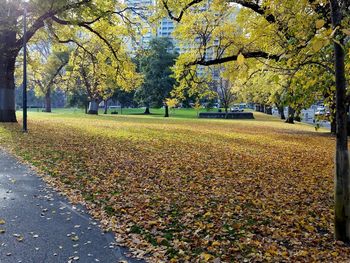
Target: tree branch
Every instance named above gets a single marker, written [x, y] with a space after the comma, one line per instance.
[39, 23]
[182, 12]
[254, 54]
[89, 28]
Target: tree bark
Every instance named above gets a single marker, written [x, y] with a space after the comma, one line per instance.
[342, 176]
[297, 116]
[257, 107]
[8, 53]
[291, 113]
[281, 112]
[147, 111]
[262, 108]
[106, 107]
[269, 110]
[166, 115]
[86, 106]
[7, 86]
[93, 107]
[48, 100]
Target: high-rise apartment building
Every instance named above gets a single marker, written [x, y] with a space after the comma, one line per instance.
[142, 10]
[165, 28]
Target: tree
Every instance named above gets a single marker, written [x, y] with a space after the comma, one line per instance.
[156, 65]
[292, 35]
[124, 98]
[299, 30]
[259, 88]
[339, 13]
[94, 68]
[94, 16]
[77, 97]
[172, 103]
[225, 92]
[46, 70]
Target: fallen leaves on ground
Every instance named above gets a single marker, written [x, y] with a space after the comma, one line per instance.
[194, 190]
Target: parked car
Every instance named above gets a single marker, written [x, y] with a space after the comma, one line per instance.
[236, 109]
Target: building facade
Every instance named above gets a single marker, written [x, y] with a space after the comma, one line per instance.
[165, 28]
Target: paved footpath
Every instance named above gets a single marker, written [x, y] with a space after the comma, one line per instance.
[37, 225]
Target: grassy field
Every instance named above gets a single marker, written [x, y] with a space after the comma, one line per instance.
[183, 189]
[176, 113]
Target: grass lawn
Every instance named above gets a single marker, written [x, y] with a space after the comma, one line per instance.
[183, 189]
[176, 113]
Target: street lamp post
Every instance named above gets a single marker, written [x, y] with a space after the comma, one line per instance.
[25, 124]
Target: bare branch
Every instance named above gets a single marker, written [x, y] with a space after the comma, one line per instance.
[182, 12]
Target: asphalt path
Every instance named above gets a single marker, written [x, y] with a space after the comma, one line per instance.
[37, 225]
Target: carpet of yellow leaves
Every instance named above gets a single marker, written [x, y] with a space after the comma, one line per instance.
[182, 190]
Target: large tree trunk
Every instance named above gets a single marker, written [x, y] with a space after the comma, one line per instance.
[8, 53]
[342, 176]
[48, 100]
[281, 112]
[291, 113]
[268, 110]
[147, 111]
[7, 85]
[93, 107]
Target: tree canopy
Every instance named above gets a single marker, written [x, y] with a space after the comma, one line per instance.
[155, 64]
[65, 22]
